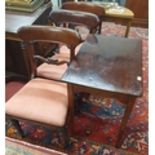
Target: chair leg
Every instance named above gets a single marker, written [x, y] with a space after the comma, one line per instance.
[79, 100]
[18, 127]
[66, 137]
[100, 28]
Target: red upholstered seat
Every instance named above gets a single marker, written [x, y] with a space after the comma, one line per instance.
[40, 100]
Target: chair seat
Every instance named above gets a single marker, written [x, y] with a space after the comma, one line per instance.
[46, 96]
[51, 71]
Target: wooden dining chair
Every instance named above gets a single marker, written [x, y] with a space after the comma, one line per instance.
[51, 67]
[70, 19]
[87, 7]
[73, 18]
[42, 101]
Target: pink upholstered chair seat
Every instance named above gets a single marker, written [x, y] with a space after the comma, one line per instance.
[51, 71]
[64, 53]
[41, 100]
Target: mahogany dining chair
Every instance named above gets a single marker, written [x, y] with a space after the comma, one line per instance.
[43, 101]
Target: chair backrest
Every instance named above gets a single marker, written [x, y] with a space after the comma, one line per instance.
[85, 7]
[47, 34]
[62, 16]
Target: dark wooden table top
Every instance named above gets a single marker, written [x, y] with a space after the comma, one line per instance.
[111, 64]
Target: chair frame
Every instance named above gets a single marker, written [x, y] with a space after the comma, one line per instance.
[48, 34]
[87, 7]
[32, 34]
[64, 17]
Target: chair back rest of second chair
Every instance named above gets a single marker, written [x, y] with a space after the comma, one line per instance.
[47, 34]
[62, 16]
[85, 7]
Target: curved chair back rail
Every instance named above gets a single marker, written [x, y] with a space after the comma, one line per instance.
[85, 7]
[62, 16]
[50, 34]
[47, 34]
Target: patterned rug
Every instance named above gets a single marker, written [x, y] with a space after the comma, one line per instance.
[97, 124]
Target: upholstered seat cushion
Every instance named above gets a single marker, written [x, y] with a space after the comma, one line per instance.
[40, 100]
[51, 71]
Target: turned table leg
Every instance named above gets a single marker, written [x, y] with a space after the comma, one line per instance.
[128, 110]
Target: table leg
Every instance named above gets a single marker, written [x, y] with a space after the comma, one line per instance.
[128, 110]
[127, 29]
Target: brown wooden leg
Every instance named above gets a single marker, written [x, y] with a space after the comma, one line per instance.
[127, 29]
[128, 110]
[66, 137]
[100, 28]
[17, 126]
[70, 119]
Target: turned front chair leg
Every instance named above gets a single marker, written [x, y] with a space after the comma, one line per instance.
[100, 28]
[127, 29]
[71, 99]
[66, 137]
[18, 127]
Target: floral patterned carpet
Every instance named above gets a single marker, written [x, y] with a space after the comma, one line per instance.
[97, 124]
